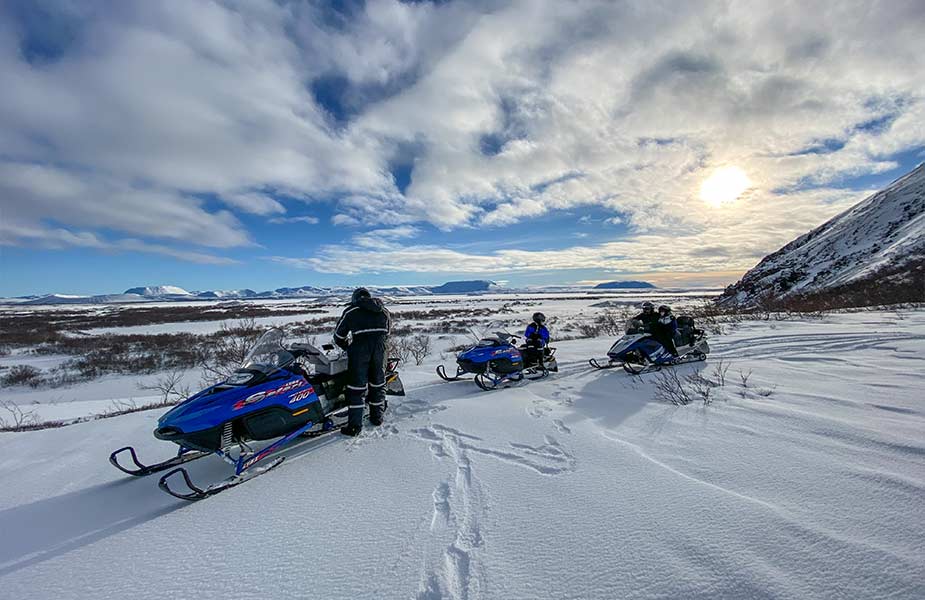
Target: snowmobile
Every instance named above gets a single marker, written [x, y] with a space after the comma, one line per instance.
[496, 360]
[270, 396]
[638, 352]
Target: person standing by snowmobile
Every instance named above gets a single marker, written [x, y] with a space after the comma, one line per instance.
[648, 317]
[369, 323]
[665, 328]
[536, 339]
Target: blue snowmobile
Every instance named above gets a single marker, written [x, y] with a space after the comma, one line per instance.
[270, 396]
[496, 360]
[639, 352]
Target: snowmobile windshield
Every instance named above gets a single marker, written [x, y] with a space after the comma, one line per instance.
[496, 338]
[268, 355]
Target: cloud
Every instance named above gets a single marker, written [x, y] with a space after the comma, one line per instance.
[121, 119]
[32, 193]
[285, 220]
[253, 203]
[24, 234]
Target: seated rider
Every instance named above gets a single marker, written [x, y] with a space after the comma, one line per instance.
[648, 317]
[665, 328]
[536, 340]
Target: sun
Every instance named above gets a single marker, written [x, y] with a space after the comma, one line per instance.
[724, 186]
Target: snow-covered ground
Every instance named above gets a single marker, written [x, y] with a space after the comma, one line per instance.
[580, 486]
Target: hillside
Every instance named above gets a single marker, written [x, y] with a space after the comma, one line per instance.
[872, 253]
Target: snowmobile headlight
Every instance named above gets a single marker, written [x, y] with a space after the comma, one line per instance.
[166, 432]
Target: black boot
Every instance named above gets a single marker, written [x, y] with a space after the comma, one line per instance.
[351, 430]
[376, 412]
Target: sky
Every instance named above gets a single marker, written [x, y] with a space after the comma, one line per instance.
[262, 144]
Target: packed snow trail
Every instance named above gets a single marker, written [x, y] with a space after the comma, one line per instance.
[807, 482]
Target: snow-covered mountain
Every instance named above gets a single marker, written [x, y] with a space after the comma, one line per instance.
[158, 291]
[226, 294]
[872, 253]
[465, 287]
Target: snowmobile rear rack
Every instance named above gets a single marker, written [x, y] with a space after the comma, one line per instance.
[185, 455]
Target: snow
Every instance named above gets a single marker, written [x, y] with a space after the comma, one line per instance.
[580, 486]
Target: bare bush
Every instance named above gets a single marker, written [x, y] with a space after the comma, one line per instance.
[23, 375]
[765, 392]
[15, 418]
[720, 369]
[701, 387]
[608, 322]
[229, 349]
[744, 377]
[670, 388]
[398, 347]
[170, 386]
[419, 347]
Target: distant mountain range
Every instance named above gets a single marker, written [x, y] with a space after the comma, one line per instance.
[871, 254]
[167, 293]
[623, 285]
[159, 293]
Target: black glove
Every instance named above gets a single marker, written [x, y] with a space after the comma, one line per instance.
[341, 343]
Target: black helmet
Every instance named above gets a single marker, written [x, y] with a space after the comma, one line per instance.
[539, 317]
[647, 306]
[664, 308]
[358, 294]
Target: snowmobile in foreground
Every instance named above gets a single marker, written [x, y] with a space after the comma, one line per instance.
[270, 396]
[638, 352]
[496, 360]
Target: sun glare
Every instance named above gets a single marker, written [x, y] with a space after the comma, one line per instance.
[724, 186]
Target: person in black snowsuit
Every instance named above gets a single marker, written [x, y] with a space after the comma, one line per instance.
[536, 338]
[368, 321]
[665, 328]
[648, 317]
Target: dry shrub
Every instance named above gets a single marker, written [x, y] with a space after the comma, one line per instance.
[228, 350]
[23, 375]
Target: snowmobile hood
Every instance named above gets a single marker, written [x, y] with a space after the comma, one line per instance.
[220, 403]
[480, 354]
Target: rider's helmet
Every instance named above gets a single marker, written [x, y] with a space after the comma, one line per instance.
[647, 307]
[539, 318]
[358, 294]
[664, 309]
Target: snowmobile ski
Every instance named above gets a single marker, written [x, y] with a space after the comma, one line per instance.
[604, 363]
[441, 371]
[244, 467]
[491, 381]
[197, 493]
[649, 367]
[185, 455]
